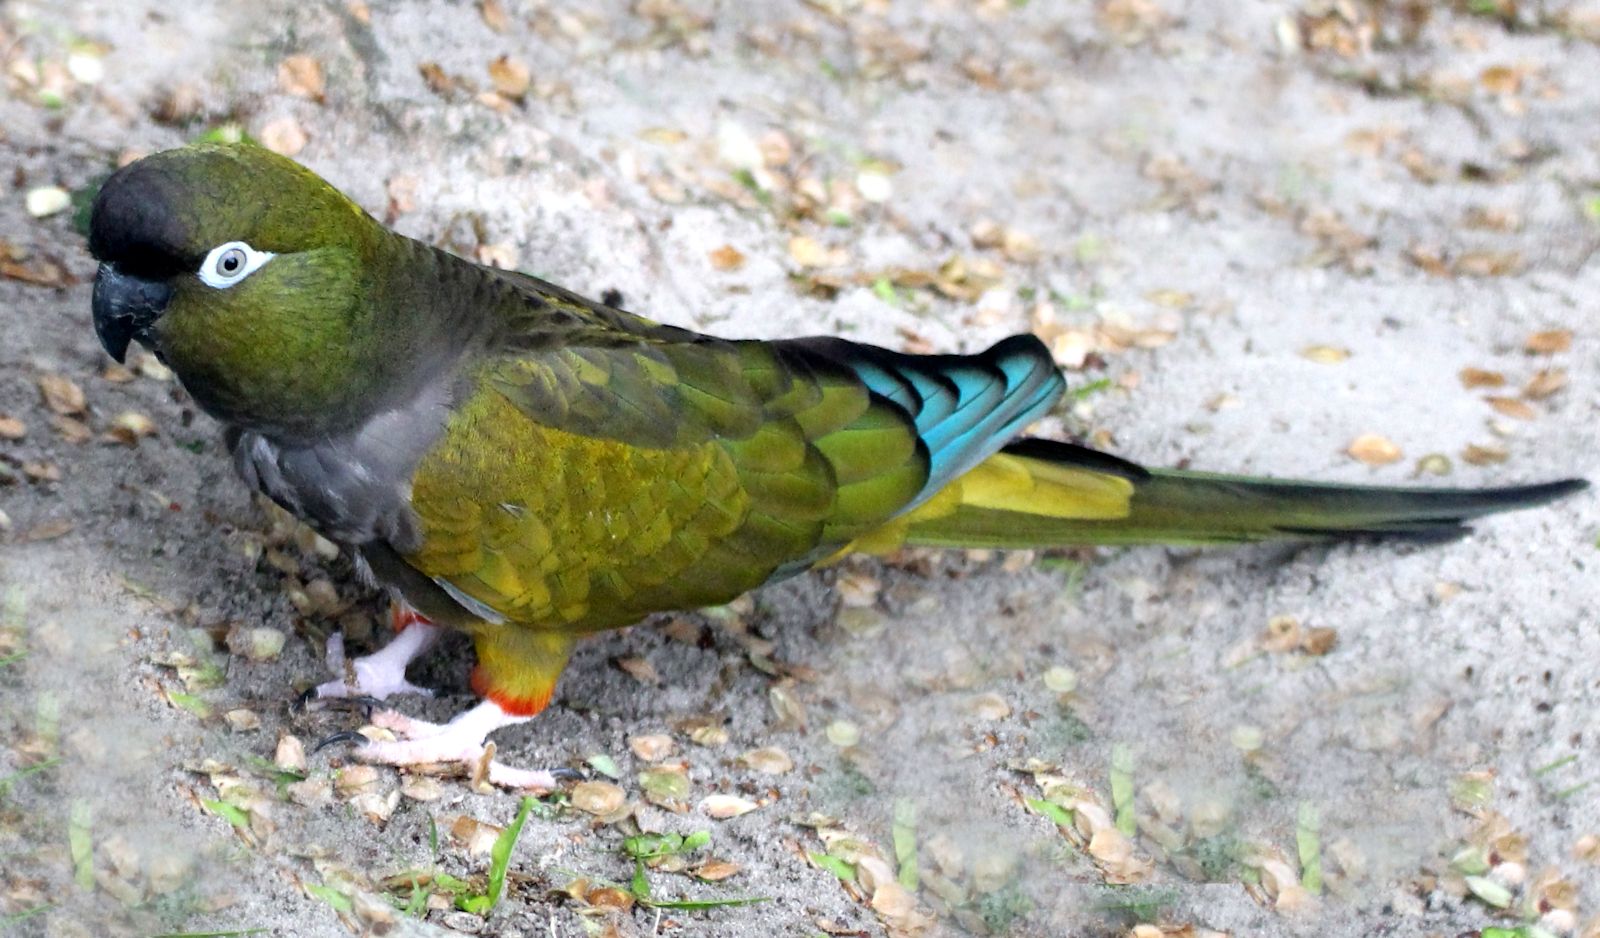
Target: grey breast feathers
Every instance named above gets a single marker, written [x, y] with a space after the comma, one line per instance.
[354, 488]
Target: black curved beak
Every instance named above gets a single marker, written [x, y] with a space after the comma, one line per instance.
[125, 307]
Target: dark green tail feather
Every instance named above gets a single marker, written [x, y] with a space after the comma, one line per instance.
[1197, 508]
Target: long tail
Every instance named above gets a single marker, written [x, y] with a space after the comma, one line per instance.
[1038, 493]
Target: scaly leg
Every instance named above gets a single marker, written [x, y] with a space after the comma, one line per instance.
[382, 673]
[462, 740]
[516, 674]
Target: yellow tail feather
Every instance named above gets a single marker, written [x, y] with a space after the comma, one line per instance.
[1036, 493]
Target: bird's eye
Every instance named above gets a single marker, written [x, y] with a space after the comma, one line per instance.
[227, 264]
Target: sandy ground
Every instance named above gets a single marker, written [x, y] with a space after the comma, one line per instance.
[1266, 229]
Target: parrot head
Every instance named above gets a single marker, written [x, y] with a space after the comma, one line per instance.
[244, 272]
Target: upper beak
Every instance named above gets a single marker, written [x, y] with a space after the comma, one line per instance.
[125, 308]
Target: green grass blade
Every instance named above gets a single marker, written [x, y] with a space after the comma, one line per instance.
[905, 843]
[1308, 842]
[335, 899]
[1122, 788]
[500, 856]
[80, 838]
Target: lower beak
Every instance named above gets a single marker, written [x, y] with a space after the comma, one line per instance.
[125, 308]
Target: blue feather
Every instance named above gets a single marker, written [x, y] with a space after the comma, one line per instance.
[970, 406]
[964, 407]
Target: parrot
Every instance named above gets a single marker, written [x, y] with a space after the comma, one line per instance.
[513, 460]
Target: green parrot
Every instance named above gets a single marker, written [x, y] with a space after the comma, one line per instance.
[514, 460]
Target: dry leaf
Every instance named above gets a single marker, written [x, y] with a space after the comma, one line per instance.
[727, 257]
[1371, 141]
[639, 669]
[776, 149]
[1488, 263]
[74, 430]
[1421, 167]
[1545, 383]
[1171, 299]
[150, 367]
[1492, 219]
[1319, 641]
[1434, 464]
[1501, 79]
[1549, 342]
[1130, 21]
[353, 780]
[684, 630]
[117, 374]
[1512, 407]
[283, 135]
[45, 201]
[402, 192]
[301, 75]
[987, 233]
[709, 736]
[809, 252]
[39, 271]
[665, 189]
[1587, 848]
[62, 395]
[500, 255]
[290, 754]
[874, 186]
[436, 79]
[896, 905]
[989, 707]
[651, 747]
[1020, 247]
[667, 786]
[722, 807]
[768, 759]
[597, 797]
[1325, 354]
[715, 871]
[786, 705]
[1485, 455]
[47, 531]
[494, 15]
[1283, 634]
[510, 77]
[1374, 450]
[11, 428]
[128, 426]
[474, 835]
[857, 590]
[1428, 260]
[1479, 378]
[843, 733]
[609, 897]
[666, 136]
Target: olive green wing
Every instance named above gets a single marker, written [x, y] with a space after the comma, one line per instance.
[588, 486]
[605, 466]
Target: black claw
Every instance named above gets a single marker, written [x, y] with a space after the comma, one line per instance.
[565, 774]
[348, 736]
[365, 702]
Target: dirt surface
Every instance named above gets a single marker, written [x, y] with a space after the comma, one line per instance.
[1253, 232]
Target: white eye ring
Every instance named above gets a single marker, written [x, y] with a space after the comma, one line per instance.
[227, 264]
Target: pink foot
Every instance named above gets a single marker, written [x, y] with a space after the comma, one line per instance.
[461, 741]
[381, 674]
